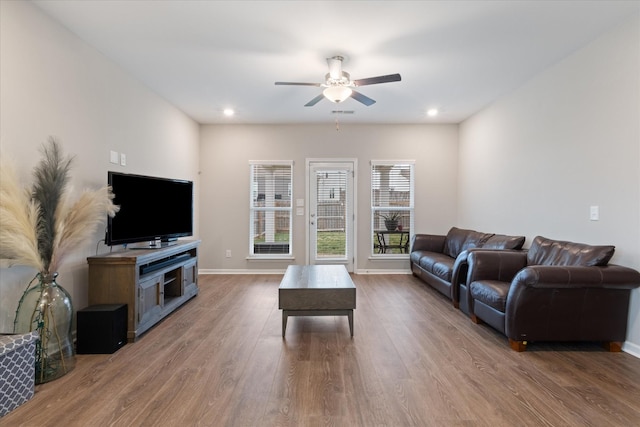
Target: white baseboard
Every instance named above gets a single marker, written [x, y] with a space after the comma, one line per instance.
[239, 271]
[382, 271]
[632, 349]
[281, 271]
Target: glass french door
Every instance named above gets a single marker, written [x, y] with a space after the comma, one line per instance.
[331, 212]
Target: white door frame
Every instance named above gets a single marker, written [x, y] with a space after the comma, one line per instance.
[352, 266]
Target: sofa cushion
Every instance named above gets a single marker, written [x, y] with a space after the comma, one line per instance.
[439, 265]
[502, 241]
[459, 239]
[491, 292]
[443, 270]
[415, 256]
[545, 251]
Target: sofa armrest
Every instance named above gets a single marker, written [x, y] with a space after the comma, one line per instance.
[428, 242]
[570, 303]
[494, 264]
[459, 275]
[460, 267]
[461, 270]
[551, 276]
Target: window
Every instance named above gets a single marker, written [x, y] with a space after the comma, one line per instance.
[270, 208]
[392, 205]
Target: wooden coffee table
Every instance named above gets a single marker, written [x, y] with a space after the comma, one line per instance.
[317, 290]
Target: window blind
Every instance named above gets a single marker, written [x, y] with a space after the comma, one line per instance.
[392, 206]
[270, 208]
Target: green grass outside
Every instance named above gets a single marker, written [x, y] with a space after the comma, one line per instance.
[332, 242]
[279, 237]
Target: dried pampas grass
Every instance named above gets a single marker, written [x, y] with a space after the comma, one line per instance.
[79, 221]
[40, 227]
[51, 179]
[18, 221]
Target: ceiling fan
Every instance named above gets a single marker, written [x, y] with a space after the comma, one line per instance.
[339, 86]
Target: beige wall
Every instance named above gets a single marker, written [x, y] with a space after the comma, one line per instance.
[224, 163]
[535, 161]
[52, 83]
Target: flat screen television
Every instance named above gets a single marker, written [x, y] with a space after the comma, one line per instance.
[151, 209]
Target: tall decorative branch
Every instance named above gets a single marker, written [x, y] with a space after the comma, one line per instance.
[51, 179]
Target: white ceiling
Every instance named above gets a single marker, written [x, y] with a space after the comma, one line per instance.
[459, 56]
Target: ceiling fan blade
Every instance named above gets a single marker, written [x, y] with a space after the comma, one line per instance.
[362, 98]
[314, 101]
[296, 84]
[380, 79]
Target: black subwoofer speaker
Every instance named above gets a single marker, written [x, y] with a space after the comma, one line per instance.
[101, 329]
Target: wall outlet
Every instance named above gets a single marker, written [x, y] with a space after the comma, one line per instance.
[228, 254]
[123, 159]
[594, 213]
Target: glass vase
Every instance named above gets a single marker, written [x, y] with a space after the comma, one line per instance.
[46, 308]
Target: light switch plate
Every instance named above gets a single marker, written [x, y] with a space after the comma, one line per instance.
[113, 157]
[594, 213]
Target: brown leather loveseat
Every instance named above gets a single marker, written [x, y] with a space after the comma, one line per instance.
[441, 260]
[555, 291]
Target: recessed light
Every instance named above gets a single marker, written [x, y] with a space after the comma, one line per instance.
[432, 112]
[228, 112]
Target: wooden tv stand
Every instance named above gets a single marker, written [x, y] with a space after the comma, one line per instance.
[152, 282]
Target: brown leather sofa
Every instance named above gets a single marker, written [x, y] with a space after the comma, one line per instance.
[555, 291]
[441, 260]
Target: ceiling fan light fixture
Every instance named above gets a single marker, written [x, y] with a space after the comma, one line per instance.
[337, 94]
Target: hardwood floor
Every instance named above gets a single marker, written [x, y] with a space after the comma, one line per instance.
[414, 361]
